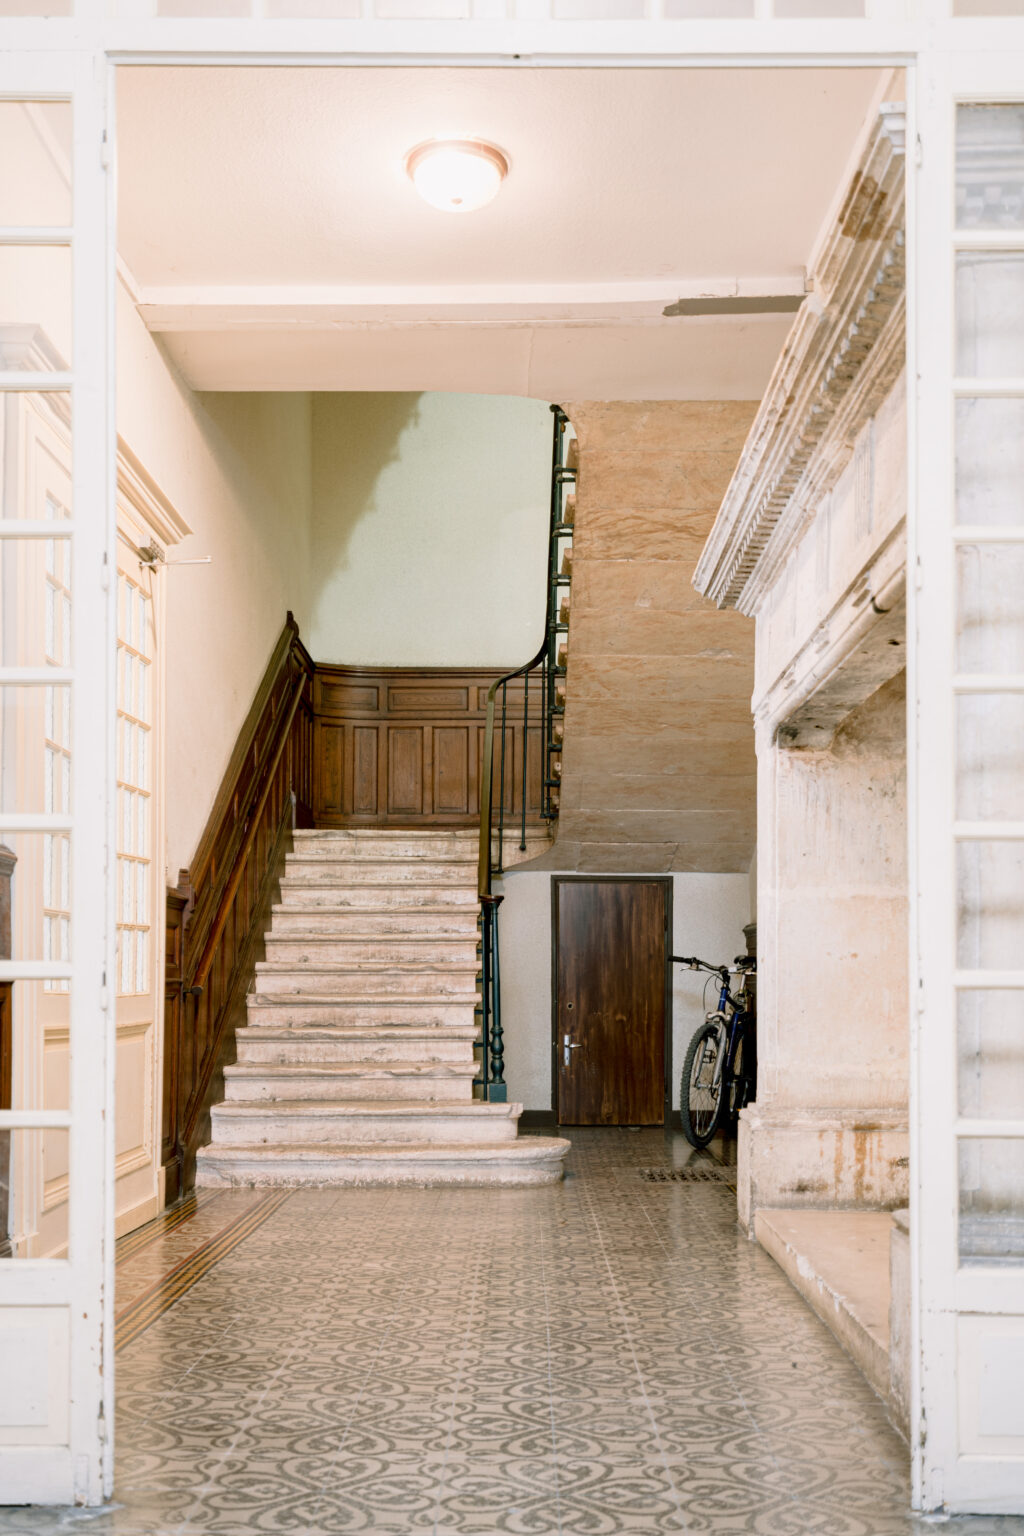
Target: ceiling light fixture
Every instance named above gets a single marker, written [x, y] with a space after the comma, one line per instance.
[457, 175]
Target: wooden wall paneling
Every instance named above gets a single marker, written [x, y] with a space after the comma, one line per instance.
[216, 918]
[403, 747]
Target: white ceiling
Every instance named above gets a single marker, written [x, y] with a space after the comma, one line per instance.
[276, 242]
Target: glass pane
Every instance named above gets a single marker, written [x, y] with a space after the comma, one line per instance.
[990, 1033]
[992, 1200]
[990, 314]
[37, 8]
[988, 7]
[35, 455]
[990, 151]
[35, 318]
[35, 146]
[598, 10]
[39, 886]
[990, 905]
[791, 8]
[208, 8]
[681, 10]
[33, 1194]
[990, 461]
[35, 749]
[990, 757]
[35, 607]
[316, 8]
[990, 614]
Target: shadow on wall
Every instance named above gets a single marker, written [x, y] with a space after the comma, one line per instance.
[429, 519]
[346, 482]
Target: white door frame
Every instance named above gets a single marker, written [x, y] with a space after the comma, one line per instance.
[78, 56]
[58, 1449]
[969, 1313]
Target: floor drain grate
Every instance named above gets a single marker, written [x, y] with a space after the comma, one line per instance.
[701, 1173]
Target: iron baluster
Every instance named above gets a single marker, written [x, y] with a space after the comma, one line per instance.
[485, 998]
[526, 740]
[497, 1089]
[501, 796]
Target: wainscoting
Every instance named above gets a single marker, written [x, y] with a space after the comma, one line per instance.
[404, 748]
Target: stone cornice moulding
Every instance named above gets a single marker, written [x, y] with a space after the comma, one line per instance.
[831, 378]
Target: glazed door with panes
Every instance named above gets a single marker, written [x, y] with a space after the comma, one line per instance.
[56, 780]
[966, 778]
[138, 977]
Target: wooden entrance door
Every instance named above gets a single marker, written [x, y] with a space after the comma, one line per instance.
[610, 1000]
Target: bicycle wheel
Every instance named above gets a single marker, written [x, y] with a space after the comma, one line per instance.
[701, 1097]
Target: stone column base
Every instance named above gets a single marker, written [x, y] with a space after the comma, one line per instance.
[846, 1159]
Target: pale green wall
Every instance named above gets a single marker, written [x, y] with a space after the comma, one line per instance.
[429, 521]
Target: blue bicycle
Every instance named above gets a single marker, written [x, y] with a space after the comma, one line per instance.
[719, 1068]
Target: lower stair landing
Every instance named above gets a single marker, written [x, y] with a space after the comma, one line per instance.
[357, 1062]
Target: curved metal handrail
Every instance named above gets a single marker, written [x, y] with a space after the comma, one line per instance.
[484, 867]
[492, 1054]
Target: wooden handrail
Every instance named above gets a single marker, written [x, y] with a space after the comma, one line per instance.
[202, 970]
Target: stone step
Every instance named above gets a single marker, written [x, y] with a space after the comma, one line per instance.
[327, 868]
[380, 843]
[370, 978]
[409, 1010]
[441, 921]
[402, 894]
[320, 1121]
[262, 1044]
[343, 1082]
[320, 949]
[529, 1160]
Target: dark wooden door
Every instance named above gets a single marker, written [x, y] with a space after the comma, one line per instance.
[610, 1001]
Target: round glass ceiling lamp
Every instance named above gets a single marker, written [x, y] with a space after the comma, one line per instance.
[457, 175]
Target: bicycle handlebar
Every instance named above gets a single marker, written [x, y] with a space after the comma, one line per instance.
[741, 963]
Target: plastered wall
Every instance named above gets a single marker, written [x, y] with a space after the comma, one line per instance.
[429, 521]
[237, 469]
[709, 913]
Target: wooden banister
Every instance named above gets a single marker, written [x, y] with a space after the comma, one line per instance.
[217, 915]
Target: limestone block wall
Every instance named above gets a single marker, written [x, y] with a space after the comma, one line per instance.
[829, 1126]
[833, 915]
[658, 767]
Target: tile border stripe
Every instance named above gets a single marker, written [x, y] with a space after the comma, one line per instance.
[158, 1298]
[143, 1237]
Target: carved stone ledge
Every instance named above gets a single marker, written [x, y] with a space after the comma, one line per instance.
[843, 355]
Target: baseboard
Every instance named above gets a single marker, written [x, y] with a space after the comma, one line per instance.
[136, 1215]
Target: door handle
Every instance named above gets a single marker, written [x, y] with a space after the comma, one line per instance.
[567, 1046]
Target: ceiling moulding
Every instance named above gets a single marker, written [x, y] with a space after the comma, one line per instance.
[843, 355]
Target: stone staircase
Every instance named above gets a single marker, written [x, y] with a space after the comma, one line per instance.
[356, 1065]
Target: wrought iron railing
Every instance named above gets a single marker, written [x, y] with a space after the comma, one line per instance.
[541, 709]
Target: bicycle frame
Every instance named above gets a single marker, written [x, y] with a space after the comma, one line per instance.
[732, 1017]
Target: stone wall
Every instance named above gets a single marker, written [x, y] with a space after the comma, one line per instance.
[829, 1125]
[659, 769]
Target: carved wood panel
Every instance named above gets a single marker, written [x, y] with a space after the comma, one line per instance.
[405, 747]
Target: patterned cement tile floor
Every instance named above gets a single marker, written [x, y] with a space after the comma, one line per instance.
[606, 1356]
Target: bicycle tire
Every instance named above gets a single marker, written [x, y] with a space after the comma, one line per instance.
[700, 1105]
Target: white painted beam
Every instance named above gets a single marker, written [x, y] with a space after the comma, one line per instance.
[168, 309]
